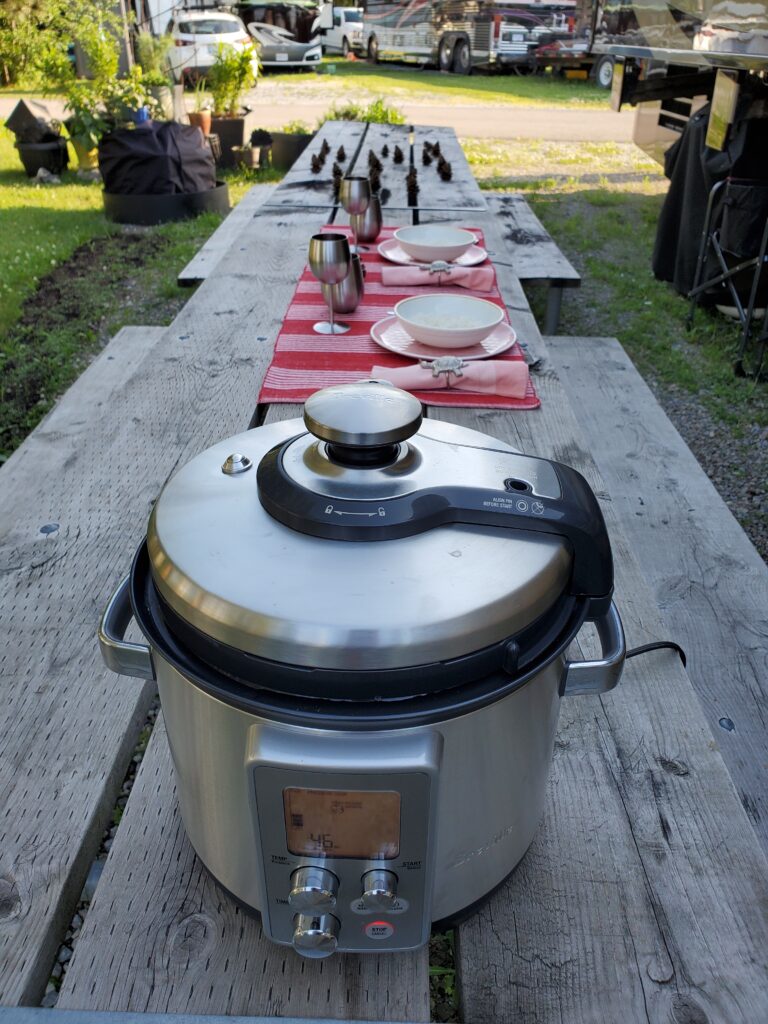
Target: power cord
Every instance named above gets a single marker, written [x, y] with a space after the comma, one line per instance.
[659, 646]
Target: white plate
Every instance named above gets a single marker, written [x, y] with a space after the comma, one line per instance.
[390, 335]
[391, 250]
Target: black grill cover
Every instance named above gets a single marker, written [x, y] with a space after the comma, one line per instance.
[693, 168]
[159, 158]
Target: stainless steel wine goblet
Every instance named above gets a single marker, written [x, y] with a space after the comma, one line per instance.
[329, 259]
[355, 194]
[368, 225]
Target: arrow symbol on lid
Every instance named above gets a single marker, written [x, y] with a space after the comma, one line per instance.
[368, 514]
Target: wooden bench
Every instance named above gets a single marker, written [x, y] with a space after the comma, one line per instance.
[226, 234]
[642, 895]
[535, 257]
[710, 583]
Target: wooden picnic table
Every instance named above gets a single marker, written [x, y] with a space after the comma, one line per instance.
[643, 896]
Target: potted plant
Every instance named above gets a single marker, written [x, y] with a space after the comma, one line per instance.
[102, 101]
[289, 143]
[152, 53]
[86, 123]
[233, 73]
[255, 155]
[127, 100]
[200, 117]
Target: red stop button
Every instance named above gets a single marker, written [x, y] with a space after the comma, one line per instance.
[379, 929]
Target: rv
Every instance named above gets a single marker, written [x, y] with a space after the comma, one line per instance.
[459, 35]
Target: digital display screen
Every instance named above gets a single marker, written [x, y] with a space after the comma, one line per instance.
[342, 823]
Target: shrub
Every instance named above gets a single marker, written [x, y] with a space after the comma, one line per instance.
[376, 112]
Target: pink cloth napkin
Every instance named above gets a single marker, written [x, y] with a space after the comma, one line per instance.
[480, 279]
[487, 377]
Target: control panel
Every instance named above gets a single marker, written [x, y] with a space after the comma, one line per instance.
[347, 855]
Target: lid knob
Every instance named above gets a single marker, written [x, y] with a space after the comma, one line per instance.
[367, 414]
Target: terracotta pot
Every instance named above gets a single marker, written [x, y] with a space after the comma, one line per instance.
[201, 119]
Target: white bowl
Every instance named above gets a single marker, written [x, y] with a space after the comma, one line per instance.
[448, 321]
[428, 242]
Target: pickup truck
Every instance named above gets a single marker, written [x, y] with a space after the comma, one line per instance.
[340, 29]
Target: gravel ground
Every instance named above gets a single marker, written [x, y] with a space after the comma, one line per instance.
[737, 466]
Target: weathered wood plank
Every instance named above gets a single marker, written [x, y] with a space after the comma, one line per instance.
[68, 725]
[643, 897]
[300, 187]
[460, 193]
[51, 826]
[393, 189]
[532, 253]
[32, 1015]
[709, 581]
[183, 946]
[202, 263]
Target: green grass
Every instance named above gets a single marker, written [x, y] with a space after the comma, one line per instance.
[40, 225]
[609, 236]
[69, 280]
[492, 160]
[396, 82]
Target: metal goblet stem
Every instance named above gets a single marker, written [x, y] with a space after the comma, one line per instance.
[355, 194]
[329, 259]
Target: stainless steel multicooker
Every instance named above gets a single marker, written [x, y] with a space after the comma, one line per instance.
[359, 633]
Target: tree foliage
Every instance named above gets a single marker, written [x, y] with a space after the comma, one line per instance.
[24, 26]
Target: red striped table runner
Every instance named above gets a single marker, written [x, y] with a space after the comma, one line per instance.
[303, 362]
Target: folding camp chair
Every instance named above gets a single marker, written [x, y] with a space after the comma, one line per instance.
[735, 232]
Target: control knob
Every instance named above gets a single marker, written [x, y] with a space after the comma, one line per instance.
[313, 889]
[315, 935]
[379, 890]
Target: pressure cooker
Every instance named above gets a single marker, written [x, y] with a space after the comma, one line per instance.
[358, 624]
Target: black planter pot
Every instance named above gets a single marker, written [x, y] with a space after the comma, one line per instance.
[287, 148]
[53, 156]
[232, 131]
[158, 209]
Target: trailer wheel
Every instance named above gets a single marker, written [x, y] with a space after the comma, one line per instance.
[373, 50]
[345, 47]
[462, 58]
[604, 72]
[445, 55]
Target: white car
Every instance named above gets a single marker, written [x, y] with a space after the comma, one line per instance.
[196, 38]
[279, 48]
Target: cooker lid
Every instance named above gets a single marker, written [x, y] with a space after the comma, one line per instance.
[374, 541]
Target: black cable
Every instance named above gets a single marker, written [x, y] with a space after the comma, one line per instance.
[661, 645]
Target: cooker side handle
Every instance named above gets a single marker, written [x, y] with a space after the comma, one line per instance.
[599, 676]
[122, 657]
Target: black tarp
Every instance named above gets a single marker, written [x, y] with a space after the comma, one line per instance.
[158, 158]
[693, 169]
